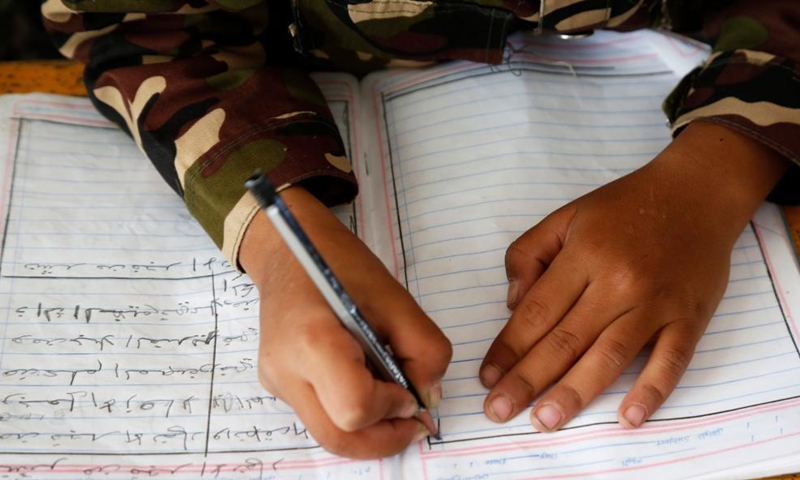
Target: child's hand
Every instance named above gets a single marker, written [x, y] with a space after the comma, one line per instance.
[645, 257]
[309, 360]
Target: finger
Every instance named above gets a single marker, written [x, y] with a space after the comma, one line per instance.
[421, 349]
[542, 307]
[529, 255]
[383, 439]
[352, 398]
[599, 367]
[667, 363]
[550, 358]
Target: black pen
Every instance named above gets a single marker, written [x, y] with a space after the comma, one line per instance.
[378, 356]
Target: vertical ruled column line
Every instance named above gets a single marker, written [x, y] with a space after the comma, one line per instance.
[213, 360]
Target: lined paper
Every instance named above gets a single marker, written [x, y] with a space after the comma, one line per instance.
[476, 155]
[129, 345]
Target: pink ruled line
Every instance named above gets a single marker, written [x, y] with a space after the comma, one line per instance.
[613, 432]
[678, 46]
[55, 103]
[13, 138]
[586, 61]
[776, 281]
[678, 460]
[13, 133]
[379, 133]
[192, 467]
[58, 117]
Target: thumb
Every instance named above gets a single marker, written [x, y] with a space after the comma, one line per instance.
[529, 255]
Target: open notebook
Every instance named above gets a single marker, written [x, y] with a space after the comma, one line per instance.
[129, 345]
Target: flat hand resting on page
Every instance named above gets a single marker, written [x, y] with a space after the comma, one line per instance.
[645, 258]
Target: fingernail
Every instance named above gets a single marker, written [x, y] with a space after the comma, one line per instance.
[501, 407]
[435, 394]
[427, 420]
[490, 375]
[409, 410]
[513, 292]
[635, 415]
[548, 416]
[422, 433]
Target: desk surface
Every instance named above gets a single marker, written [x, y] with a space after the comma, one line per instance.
[64, 77]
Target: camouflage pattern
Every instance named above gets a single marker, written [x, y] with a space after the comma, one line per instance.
[751, 82]
[211, 89]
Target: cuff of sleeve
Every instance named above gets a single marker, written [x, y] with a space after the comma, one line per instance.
[305, 150]
[753, 92]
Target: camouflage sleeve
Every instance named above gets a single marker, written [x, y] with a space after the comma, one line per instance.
[751, 82]
[190, 82]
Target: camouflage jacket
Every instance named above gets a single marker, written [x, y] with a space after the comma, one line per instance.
[211, 89]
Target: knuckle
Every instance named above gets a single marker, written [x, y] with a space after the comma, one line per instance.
[673, 362]
[371, 307]
[334, 442]
[435, 352]
[692, 307]
[523, 382]
[656, 394]
[442, 354]
[355, 416]
[514, 254]
[614, 354]
[676, 299]
[534, 312]
[629, 282]
[437, 361]
[572, 397]
[504, 354]
[567, 344]
[310, 336]
[265, 381]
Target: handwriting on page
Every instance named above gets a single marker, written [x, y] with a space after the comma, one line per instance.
[126, 335]
[106, 355]
[129, 346]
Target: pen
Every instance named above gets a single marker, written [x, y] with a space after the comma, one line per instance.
[379, 358]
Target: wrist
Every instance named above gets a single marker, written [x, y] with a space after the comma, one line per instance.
[728, 171]
[263, 250]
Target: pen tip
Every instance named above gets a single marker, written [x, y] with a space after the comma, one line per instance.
[427, 419]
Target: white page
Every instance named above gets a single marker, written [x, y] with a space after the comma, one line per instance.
[472, 156]
[263, 455]
[128, 345]
[340, 91]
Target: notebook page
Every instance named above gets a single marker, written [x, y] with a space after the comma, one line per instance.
[128, 344]
[340, 92]
[471, 157]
